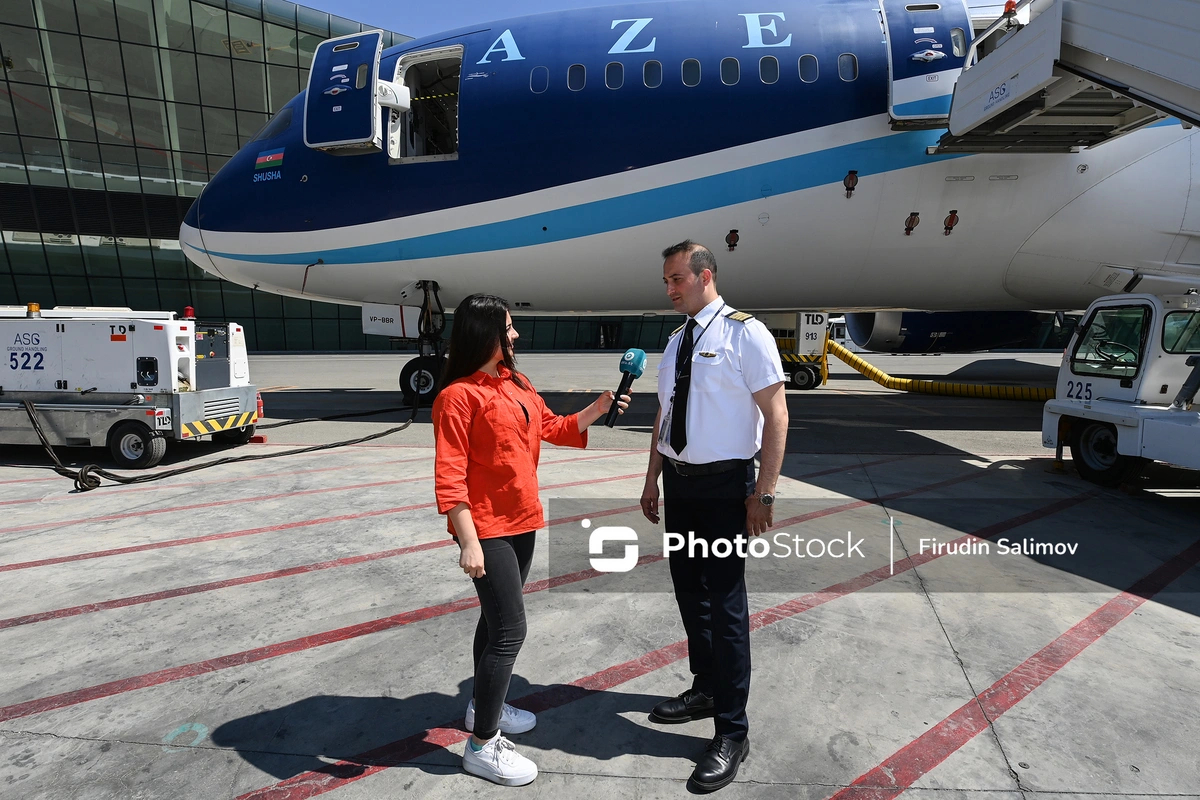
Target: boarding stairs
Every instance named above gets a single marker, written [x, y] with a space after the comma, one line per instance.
[1057, 76]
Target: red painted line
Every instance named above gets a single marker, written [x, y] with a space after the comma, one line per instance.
[28, 480]
[310, 784]
[261, 498]
[910, 763]
[304, 569]
[825, 512]
[212, 504]
[270, 651]
[201, 484]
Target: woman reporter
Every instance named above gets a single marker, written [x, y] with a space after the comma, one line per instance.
[488, 424]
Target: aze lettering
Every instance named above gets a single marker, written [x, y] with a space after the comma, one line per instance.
[755, 27]
[505, 44]
[270, 175]
[636, 27]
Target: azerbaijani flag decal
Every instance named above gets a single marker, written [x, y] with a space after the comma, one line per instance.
[269, 158]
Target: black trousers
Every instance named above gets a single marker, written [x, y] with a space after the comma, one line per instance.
[711, 592]
[501, 629]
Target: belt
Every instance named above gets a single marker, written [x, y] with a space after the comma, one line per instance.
[711, 468]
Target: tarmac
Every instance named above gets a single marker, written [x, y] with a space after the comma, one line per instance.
[298, 626]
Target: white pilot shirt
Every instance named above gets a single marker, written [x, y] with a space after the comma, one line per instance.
[730, 361]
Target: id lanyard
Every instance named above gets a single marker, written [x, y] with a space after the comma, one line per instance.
[664, 427]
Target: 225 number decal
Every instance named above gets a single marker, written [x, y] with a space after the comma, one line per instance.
[25, 361]
[1078, 390]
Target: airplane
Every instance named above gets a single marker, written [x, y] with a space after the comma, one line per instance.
[549, 158]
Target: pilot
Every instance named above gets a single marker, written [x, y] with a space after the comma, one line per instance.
[721, 401]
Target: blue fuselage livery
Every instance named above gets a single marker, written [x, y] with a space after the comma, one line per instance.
[580, 143]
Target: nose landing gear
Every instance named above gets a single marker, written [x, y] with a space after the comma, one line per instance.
[420, 376]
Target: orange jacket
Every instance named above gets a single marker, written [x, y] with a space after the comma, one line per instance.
[488, 433]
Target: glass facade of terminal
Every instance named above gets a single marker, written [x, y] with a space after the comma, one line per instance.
[113, 116]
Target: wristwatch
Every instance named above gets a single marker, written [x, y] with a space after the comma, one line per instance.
[766, 499]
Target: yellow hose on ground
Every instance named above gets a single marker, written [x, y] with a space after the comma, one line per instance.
[1041, 394]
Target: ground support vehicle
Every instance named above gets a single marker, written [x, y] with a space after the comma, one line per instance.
[1126, 387]
[122, 379]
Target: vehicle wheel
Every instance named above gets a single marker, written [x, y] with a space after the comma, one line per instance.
[235, 435]
[134, 446]
[419, 378]
[805, 378]
[1094, 451]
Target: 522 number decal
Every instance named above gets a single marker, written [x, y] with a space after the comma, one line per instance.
[25, 361]
[1078, 390]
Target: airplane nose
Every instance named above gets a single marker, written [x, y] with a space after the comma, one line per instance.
[191, 238]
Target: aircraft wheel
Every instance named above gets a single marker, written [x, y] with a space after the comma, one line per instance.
[1094, 451]
[419, 379]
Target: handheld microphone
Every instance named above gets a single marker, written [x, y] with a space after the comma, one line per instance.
[633, 364]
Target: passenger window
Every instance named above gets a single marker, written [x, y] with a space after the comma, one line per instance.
[614, 75]
[922, 7]
[652, 74]
[958, 41]
[539, 80]
[576, 77]
[731, 71]
[809, 69]
[430, 126]
[691, 72]
[848, 67]
[1110, 345]
[768, 69]
[1181, 333]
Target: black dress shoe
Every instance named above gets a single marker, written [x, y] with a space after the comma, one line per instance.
[692, 704]
[719, 764]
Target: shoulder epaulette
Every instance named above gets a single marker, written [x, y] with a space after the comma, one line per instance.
[740, 316]
[677, 330]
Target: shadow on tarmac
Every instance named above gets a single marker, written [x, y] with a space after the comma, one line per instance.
[383, 731]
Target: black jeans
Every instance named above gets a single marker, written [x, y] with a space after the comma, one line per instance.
[711, 592]
[501, 629]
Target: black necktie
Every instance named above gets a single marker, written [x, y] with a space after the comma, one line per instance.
[683, 382]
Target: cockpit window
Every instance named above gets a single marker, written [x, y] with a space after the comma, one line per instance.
[277, 125]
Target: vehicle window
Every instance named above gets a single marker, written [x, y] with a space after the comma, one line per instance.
[539, 80]
[1111, 343]
[614, 75]
[652, 74]
[731, 71]
[768, 69]
[691, 72]
[1181, 332]
[576, 77]
[848, 67]
[809, 68]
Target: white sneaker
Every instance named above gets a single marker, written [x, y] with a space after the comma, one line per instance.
[499, 762]
[512, 720]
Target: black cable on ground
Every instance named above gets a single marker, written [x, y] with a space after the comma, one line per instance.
[86, 478]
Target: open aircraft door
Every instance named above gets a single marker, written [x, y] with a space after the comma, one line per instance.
[343, 107]
[927, 46]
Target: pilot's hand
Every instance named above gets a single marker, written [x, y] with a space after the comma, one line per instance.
[650, 500]
[758, 516]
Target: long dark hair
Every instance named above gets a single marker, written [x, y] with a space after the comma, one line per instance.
[479, 328]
